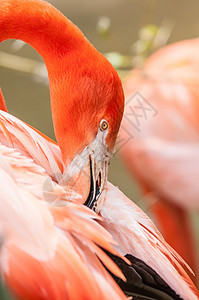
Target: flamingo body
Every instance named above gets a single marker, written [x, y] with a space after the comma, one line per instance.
[163, 155]
[168, 142]
[42, 244]
[130, 227]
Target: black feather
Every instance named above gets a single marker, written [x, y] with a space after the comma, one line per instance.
[143, 283]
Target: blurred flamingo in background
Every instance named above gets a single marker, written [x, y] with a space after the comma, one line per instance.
[163, 155]
[53, 248]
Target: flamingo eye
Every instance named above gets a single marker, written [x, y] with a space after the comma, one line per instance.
[103, 125]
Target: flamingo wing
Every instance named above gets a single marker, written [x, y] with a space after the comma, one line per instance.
[142, 281]
[47, 251]
[133, 231]
[31, 143]
[137, 235]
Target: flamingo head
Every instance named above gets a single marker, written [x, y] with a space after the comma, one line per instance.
[87, 127]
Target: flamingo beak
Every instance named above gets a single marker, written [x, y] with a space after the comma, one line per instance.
[98, 180]
[99, 158]
[89, 172]
[94, 190]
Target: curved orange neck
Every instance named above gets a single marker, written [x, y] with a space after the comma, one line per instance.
[42, 26]
[61, 44]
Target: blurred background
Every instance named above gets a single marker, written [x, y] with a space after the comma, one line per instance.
[127, 32]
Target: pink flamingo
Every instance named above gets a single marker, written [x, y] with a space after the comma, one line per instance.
[163, 156]
[51, 248]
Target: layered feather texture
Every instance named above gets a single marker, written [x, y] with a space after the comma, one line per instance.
[137, 235]
[72, 230]
[47, 251]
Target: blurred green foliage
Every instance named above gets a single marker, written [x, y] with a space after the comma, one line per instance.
[4, 294]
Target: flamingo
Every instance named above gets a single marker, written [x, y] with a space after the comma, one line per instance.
[56, 236]
[163, 155]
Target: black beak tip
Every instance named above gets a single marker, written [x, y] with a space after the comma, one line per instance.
[94, 190]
